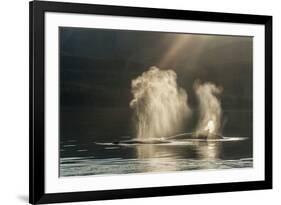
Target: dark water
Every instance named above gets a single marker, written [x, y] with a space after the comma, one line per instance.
[94, 158]
[84, 151]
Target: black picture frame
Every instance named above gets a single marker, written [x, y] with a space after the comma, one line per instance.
[37, 194]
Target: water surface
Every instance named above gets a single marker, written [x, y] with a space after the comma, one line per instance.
[96, 158]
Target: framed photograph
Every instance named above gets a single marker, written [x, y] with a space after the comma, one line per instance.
[140, 102]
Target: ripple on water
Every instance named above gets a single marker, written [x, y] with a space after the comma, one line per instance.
[81, 167]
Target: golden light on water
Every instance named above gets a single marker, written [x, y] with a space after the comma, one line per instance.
[209, 150]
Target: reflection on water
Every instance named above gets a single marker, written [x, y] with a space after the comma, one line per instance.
[79, 159]
[208, 150]
[156, 158]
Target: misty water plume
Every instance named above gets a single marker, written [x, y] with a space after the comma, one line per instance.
[210, 111]
[160, 105]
